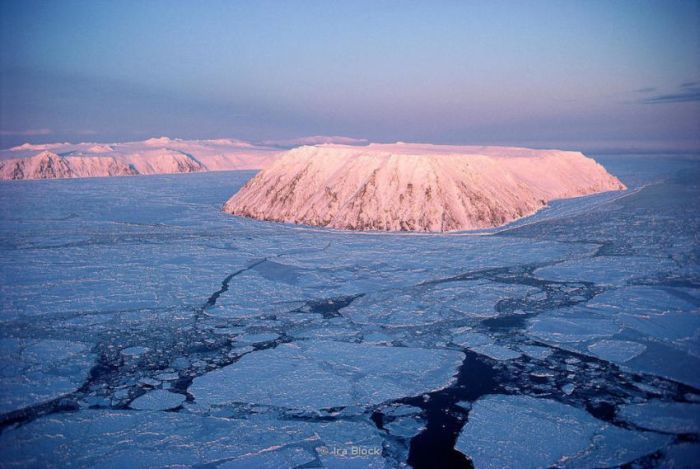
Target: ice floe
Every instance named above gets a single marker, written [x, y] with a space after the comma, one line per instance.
[318, 375]
[672, 417]
[150, 439]
[522, 431]
[35, 371]
[573, 325]
[157, 399]
[618, 351]
[605, 270]
[433, 303]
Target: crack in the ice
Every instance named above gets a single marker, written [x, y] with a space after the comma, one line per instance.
[211, 301]
[328, 308]
[444, 418]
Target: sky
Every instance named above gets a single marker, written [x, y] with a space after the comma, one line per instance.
[594, 75]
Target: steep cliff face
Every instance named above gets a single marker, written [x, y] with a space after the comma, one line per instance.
[99, 166]
[412, 187]
[164, 161]
[153, 156]
[48, 165]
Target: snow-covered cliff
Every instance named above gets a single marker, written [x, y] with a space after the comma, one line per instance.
[153, 156]
[415, 187]
[48, 165]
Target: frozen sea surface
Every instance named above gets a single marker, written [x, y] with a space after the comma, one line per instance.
[522, 431]
[142, 327]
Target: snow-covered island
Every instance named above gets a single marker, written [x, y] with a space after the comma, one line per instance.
[153, 156]
[415, 187]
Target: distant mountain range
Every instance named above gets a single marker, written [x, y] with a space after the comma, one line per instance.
[153, 156]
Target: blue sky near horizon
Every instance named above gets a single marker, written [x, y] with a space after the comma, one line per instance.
[588, 75]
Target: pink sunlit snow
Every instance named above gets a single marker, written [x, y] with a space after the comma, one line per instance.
[415, 187]
[153, 156]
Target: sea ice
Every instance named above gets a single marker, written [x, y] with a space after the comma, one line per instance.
[671, 417]
[568, 388]
[574, 324]
[318, 375]
[157, 399]
[667, 360]
[133, 352]
[658, 330]
[291, 456]
[256, 338]
[430, 304]
[152, 262]
[403, 421]
[530, 432]
[522, 431]
[673, 326]
[497, 352]
[683, 455]
[534, 351]
[642, 299]
[618, 351]
[469, 339]
[613, 446]
[144, 439]
[605, 270]
[35, 371]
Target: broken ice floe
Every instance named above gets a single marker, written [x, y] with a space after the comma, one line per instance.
[428, 304]
[483, 345]
[643, 299]
[533, 432]
[35, 371]
[319, 375]
[573, 324]
[157, 399]
[618, 351]
[134, 352]
[535, 351]
[157, 439]
[605, 270]
[672, 417]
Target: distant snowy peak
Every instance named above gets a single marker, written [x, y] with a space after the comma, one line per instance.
[230, 142]
[161, 155]
[177, 142]
[415, 187]
[100, 148]
[38, 147]
[315, 140]
[157, 141]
